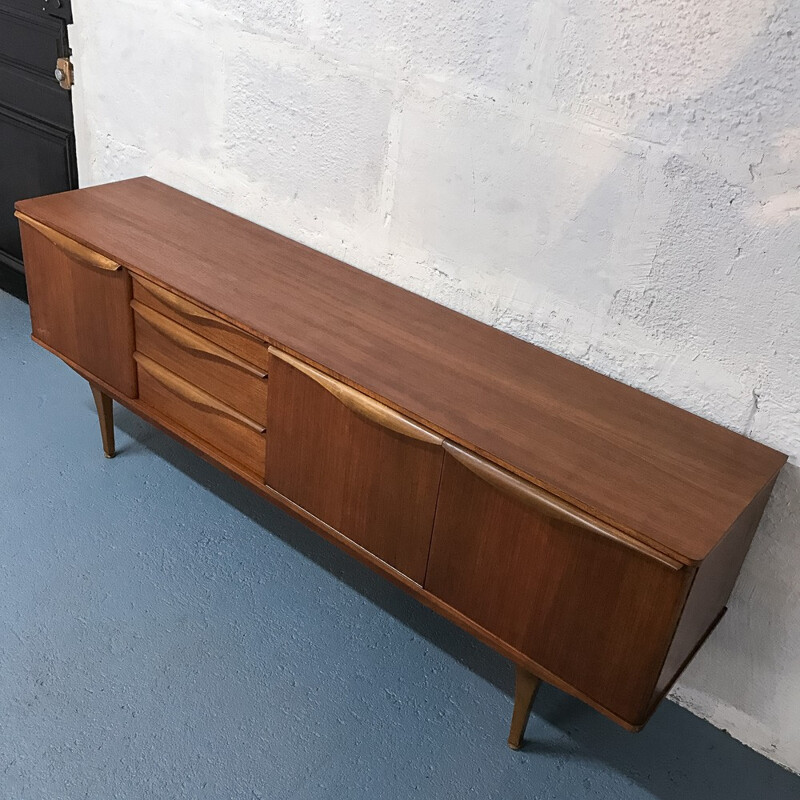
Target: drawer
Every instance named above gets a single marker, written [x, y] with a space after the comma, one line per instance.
[223, 427]
[577, 597]
[226, 376]
[200, 321]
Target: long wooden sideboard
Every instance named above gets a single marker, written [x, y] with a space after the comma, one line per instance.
[588, 531]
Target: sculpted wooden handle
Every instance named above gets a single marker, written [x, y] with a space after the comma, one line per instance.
[191, 341]
[69, 246]
[361, 404]
[191, 394]
[547, 504]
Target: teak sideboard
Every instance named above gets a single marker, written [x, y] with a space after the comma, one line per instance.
[589, 532]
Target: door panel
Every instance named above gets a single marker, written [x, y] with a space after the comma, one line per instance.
[37, 146]
[59, 9]
[80, 305]
[36, 96]
[360, 467]
[559, 588]
[42, 162]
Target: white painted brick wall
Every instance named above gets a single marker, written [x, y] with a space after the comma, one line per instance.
[618, 182]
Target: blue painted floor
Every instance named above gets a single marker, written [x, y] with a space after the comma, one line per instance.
[166, 634]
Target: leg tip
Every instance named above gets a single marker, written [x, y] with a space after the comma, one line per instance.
[514, 745]
[109, 455]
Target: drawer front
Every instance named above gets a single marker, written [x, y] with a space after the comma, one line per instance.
[353, 463]
[224, 428]
[234, 381]
[80, 304]
[597, 611]
[201, 322]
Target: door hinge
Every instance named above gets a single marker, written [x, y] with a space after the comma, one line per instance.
[65, 74]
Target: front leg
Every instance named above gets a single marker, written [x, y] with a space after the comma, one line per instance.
[524, 693]
[105, 413]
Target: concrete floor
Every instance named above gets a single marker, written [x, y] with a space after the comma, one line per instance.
[166, 634]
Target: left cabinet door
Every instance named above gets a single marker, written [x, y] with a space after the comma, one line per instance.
[80, 304]
[358, 466]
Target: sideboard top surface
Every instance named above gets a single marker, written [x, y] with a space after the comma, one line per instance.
[660, 473]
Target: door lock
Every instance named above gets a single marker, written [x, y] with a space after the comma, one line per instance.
[64, 72]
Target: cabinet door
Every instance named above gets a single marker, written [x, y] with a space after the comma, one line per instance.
[362, 468]
[581, 600]
[80, 304]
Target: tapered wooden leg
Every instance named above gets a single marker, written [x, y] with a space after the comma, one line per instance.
[105, 413]
[524, 693]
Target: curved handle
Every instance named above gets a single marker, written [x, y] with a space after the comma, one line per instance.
[184, 338]
[191, 394]
[69, 246]
[547, 504]
[361, 404]
[188, 309]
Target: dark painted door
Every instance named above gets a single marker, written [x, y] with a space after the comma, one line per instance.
[37, 141]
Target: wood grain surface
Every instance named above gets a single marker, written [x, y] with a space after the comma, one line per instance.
[361, 473]
[589, 609]
[70, 247]
[239, 437]
[205, 324]
[234, 468]
[81, 310]
[711, 588]
[659, 473]
[207, 365]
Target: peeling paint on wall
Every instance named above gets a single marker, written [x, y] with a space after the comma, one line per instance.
[617, 182]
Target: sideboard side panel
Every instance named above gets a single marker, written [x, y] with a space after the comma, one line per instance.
[80, 311]
[710, 591]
